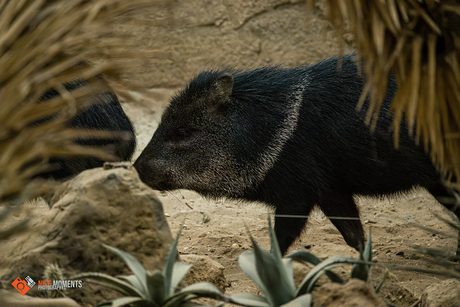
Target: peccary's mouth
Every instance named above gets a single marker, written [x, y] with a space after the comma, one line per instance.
[162, 186]
[158, 185]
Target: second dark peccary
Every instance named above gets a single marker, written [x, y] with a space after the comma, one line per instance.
[288, 137]
[105, 114]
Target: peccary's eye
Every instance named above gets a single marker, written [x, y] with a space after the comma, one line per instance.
[182, 134]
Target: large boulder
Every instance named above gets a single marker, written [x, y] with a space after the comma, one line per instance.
[442, 294]
[185, 37]
[100, 206]
[204, 269]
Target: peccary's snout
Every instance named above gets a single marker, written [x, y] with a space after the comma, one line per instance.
[141, 168]
[144, 167]
[153, 172]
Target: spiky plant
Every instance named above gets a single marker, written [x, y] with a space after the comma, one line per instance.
[420, 42]
[273, 274]
[54, 272]
[157, 288]
[360, 268]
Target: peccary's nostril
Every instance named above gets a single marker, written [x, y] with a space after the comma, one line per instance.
[139, 165]
[147, 170]
[144, 175]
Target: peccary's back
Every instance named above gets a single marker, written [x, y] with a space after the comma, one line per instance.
[332, 149]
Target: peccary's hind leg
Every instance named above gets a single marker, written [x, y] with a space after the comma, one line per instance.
[344, 214]
[289, 226]
[450, 201]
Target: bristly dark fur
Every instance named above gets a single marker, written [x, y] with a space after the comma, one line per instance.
[105, 114]
[288, 137]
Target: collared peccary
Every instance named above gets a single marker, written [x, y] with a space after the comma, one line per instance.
[288, 137]
[106, 114]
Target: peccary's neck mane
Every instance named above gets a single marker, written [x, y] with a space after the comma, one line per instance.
[264, 81]
[271, 97]
[249, 86]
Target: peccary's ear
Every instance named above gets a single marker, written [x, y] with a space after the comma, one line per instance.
[221, 88]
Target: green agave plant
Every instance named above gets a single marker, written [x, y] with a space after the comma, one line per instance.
[153, 289]
[273, 274]
[360, 269]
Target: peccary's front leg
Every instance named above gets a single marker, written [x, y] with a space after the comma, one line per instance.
[287, 230]
[343, 212]
[289, 225]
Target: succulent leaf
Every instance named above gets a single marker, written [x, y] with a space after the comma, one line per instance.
[178, 273]
[306, 286]
[249, 300]
[202, 289]
[304, 300]
[361, 270]
[110, 282]
[169, 265]
[156, 287]
[134, 265]
[205, 289]
[128, 300]
[304, 256]
[133, 280]
[268, 274]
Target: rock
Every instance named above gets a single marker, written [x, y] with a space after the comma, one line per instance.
[249, 33]
[100, 206]
[204, 269]
[354, 293]
[12, 299]
[442, 294]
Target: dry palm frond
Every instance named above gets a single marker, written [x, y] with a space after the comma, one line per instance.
[420, 42]
[42, 46]
[443, 262]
